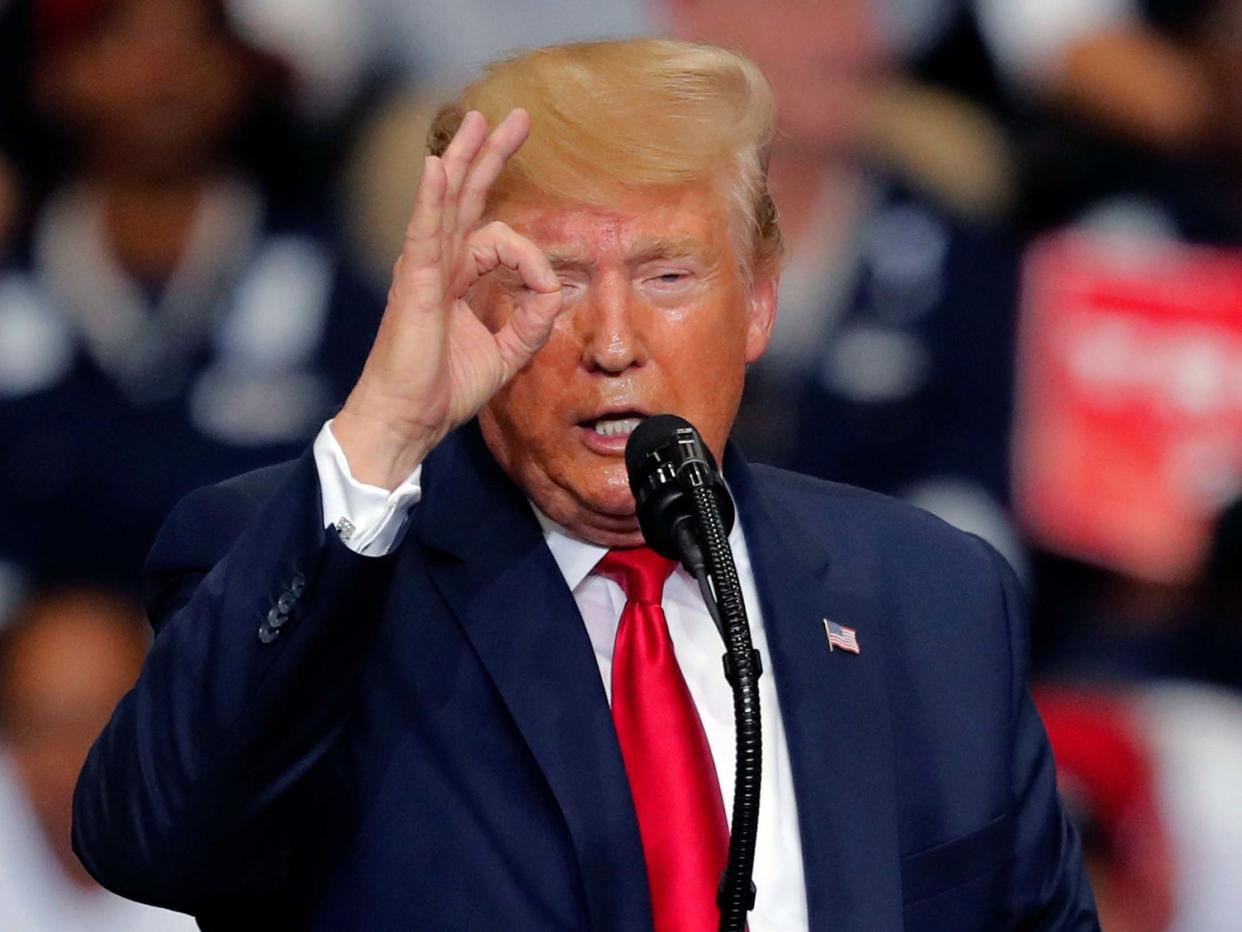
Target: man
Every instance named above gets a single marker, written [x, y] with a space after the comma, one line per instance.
[405, 721]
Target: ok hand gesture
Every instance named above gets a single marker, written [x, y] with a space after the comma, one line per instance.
[434, 364]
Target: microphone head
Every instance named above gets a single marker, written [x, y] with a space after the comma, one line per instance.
[653, 443]
[657, 456]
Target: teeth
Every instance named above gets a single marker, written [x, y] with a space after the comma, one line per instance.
[617, 426]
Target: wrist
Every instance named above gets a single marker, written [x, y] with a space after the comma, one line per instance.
[380, 451]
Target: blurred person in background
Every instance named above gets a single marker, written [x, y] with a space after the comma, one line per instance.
[64, 662]
[8, 202]
[1138, 100]
[1150, 775]
[1080, 82]
[1131, 169]
[1222, 598]
[11, 61]
[162, 325]
[1106, 775]
[337, 47]
[1116, 628]
[891, 362]
[1114, 64]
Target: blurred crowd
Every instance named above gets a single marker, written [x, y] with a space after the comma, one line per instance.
[1012, 295]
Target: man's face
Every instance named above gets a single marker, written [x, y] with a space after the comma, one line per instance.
[658, 319]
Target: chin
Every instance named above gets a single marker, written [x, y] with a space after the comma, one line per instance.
[610, 495]
[603, 528]
[601, 512]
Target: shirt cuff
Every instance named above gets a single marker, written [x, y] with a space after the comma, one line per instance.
[367, 517]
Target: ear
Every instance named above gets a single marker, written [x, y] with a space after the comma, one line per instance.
[763, 294]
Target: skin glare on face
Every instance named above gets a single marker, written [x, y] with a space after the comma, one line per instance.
[658, 319]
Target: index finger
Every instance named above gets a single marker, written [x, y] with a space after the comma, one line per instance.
[505, 140]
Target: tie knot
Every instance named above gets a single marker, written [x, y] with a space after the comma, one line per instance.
[640, 571]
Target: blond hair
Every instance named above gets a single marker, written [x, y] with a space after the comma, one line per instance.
[610, 115]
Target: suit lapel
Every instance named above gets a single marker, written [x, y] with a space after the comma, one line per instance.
[835, 712]
[505, 589]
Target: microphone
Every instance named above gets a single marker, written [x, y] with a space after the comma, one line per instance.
[685, 513]
[666, 459]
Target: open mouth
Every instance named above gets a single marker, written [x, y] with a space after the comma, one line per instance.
[615, 425]
[608, 433]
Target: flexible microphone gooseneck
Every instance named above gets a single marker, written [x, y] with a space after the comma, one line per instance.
[685, 513]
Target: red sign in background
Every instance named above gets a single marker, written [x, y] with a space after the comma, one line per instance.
[1128, 437]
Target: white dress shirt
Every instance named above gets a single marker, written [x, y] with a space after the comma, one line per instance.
[372, 518]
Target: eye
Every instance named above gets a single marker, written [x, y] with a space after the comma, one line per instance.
[571, 287]
[670, 278]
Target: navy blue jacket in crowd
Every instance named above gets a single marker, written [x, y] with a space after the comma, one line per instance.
[321, 740]
[913, 380]
[88, 458]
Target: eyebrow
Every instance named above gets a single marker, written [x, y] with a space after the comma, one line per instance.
[660, 247]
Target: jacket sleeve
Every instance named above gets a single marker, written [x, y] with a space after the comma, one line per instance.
[261, 619]
[1048, 886]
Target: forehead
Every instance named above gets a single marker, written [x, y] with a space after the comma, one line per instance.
[689, 219]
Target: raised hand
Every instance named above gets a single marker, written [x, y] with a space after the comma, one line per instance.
[434, 364]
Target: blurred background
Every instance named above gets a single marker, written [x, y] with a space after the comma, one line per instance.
[1013, 296]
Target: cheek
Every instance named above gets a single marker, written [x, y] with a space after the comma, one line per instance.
[705, 366]
[536, 397]
[516, 410]
[718, 339]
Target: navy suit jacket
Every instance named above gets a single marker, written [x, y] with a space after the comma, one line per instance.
[424, 740]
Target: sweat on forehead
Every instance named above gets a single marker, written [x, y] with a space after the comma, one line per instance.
[608, 117]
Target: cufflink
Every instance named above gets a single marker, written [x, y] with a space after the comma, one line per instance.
[344, 529]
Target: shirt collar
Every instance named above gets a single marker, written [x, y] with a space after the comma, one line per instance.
[576, 558]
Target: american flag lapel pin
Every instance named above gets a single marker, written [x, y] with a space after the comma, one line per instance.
[841, 636]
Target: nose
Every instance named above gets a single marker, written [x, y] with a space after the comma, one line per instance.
[610, 327]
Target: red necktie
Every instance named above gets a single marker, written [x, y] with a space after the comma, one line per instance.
[672, 778]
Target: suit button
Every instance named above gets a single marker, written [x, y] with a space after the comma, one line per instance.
[267, 635]
[285, 602]
[276, 618]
